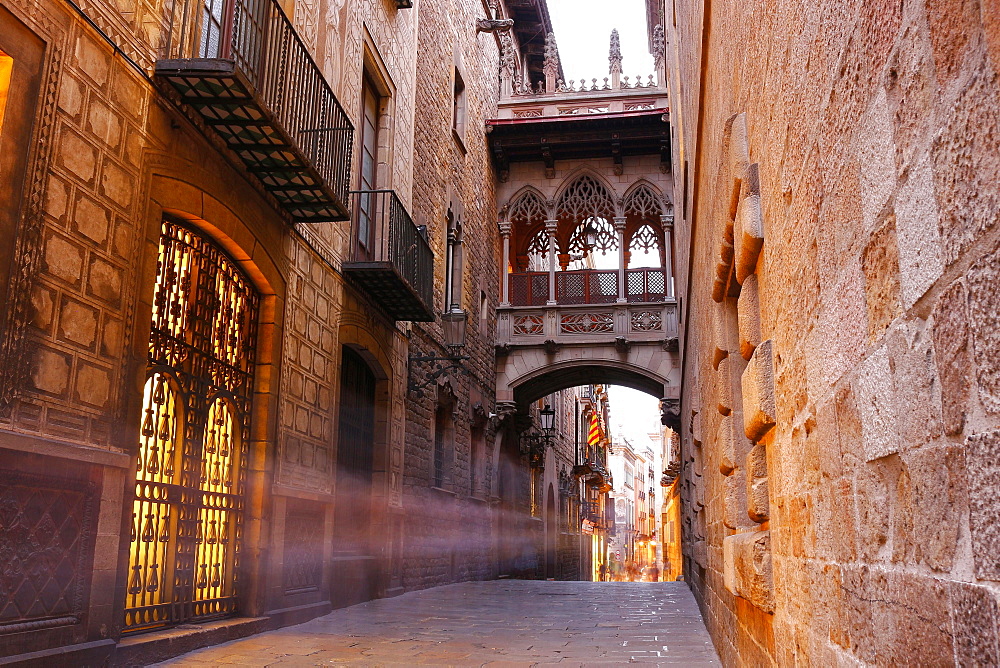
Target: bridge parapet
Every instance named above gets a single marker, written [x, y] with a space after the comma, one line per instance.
[621, 324]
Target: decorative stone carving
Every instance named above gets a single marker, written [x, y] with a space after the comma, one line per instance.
[615, 54]
[550, 67]
[670, 413]
[659, 47]
[748, 314]
[587, 323]
[494, 25]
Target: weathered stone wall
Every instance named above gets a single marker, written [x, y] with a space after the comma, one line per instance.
[449, 533]
[109, 156]
[857, 348]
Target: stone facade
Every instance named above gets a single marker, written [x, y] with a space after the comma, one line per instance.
[101, 152]
[836, 245]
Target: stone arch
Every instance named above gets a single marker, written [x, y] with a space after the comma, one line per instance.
[570, 367]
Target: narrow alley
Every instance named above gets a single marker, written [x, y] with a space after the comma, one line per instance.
[498, 623]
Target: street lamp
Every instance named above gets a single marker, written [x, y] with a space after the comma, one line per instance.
[454, 324]
[547, 417]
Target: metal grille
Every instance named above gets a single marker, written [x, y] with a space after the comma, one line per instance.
[646, 285]
[587, 286]
[188, 508]
[529, 289]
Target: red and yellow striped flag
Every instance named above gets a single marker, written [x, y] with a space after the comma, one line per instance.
[594, 437]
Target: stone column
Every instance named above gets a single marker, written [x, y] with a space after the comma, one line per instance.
[505, 267]
[667, 221]
[620, 231]
[550, 229]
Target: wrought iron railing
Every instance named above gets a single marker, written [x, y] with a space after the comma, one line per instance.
[382, 231]
[588, 286]
[266, 50]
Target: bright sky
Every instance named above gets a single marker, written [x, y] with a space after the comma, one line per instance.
[635, 413]
[583, 33]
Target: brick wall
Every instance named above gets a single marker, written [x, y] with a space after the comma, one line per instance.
[857, 349]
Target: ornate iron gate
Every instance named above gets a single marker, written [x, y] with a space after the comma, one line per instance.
[190, 471]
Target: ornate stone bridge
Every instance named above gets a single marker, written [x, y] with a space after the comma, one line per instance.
[586, 219]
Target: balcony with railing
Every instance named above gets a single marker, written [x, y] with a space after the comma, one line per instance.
[240, 68]
[389, 257]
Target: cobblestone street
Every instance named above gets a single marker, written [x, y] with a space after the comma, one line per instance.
[500, 623]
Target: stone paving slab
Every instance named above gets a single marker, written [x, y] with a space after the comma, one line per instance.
[515, 623]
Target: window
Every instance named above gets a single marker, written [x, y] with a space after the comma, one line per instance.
[190, 474]
[6, 69]
[371, 103]
[458, 107]
[444, 444]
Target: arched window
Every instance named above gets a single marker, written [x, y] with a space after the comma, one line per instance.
[187, 516]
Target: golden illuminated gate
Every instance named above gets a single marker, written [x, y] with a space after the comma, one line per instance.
[188, 510]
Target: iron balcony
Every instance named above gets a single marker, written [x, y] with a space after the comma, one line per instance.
[243, 72]
[389, 257]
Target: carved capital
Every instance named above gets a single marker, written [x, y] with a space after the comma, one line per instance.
[505, 228]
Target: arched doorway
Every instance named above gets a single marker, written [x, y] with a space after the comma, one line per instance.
[551, 535]
[355, 455]
[187, 516]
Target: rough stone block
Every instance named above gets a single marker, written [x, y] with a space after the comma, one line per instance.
[735, 501]
[966, 158]
[750, 555]
[724, 387]
[724, 444]
[696, 431]
[940, 503]
[877, 156]
[872, 499]
[975, 619]
[915, 383]
[748, 314]
[880, 263]
[917, 235]
[757, 487]
[951, 355]
[699, 552]
[758, 392]
[984, 325]
[737, 145]
[748, 236]
[876, 406]
[982, 460]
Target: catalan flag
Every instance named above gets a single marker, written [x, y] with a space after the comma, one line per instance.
[594, 436]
